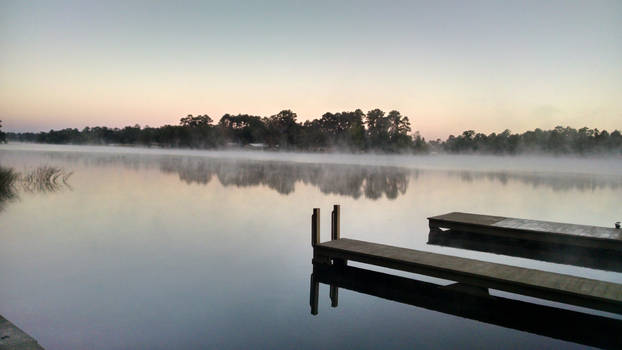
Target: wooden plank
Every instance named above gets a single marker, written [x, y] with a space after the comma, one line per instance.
[13, 338]
[531, 230]
[562, 228]
[540, 284]
[468, 218]
[475, 304]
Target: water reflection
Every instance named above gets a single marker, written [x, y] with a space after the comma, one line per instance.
[349, 180]
[565, 182]
[470, 303]
[43, 179]
[356, 181]
[147, 238]
[602, 259]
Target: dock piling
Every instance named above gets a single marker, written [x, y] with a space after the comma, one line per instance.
[315, 227]
[334, 295]
[335, 228]
[335, 233]
[315, 238]
[313, 295]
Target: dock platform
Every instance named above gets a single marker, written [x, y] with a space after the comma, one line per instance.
[531, 230]
[557, 287]
[13, 338]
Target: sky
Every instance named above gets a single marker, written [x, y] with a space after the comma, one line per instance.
[447, 65]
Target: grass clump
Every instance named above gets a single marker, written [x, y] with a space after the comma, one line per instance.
[41, 179]
[8, 178]
[45, 179]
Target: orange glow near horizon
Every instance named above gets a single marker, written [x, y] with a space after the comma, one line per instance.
[75, 65]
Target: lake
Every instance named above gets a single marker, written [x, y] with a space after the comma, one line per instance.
[161, 249]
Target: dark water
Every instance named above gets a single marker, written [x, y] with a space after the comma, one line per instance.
[157, 250]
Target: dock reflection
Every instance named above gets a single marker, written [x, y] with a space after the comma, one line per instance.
[601, 259]
[469, 302]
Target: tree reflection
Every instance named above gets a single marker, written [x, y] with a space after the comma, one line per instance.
[356, 181]
[349, 180]
[554, 181]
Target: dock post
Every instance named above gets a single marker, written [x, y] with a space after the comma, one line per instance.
[315, 227]
[334, 296]
[315, 238]
[335, 229]
[313, 294]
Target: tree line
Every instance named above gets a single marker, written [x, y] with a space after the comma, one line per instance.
[560, 140]
[2, 134]
[353, 131]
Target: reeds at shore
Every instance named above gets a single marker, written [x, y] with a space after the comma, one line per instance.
[44, 179]
[8, 177]
[41, 179]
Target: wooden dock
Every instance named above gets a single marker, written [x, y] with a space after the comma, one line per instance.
[557, 287]
[531, 230]
[567, 325]
[13, 338]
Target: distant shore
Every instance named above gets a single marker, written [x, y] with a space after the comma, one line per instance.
[345, 132]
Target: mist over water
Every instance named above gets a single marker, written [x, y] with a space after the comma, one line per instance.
[163, 249]
[283, 170]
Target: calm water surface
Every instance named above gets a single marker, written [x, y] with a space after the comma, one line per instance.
[152, 249]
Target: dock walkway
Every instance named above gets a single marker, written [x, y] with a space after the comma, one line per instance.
[531, 230]
[13, 338]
